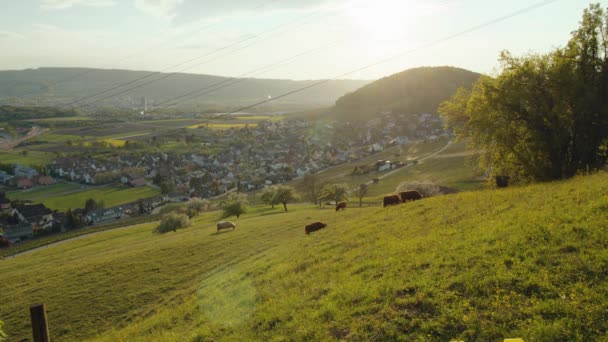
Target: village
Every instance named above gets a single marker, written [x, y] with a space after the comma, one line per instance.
[244, 159]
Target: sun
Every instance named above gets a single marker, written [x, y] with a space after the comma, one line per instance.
[383, 19]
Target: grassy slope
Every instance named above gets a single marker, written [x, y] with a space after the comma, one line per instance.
[528, 262]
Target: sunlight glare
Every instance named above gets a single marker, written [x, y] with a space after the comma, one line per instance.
[384, 19]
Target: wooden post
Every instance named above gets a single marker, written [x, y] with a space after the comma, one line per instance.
[40, 328]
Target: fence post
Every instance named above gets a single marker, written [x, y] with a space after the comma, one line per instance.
[40, 328]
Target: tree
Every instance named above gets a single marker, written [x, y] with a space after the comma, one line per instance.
[311, 187]
[545, 116]
[361, 192]
[196, 205]
[90, 205]
[234, 208]
[72, 221]
[172, 222]
[334, 192]
[269, 196]
[167, 187]
[285, 194]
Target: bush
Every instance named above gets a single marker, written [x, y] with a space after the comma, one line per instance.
[196, 206]
[236, 208]
[172, 222]
[426, 189]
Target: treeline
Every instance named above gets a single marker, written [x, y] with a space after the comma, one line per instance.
[12, 113]
[545, 116]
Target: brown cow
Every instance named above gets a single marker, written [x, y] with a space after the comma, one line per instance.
[391, 200]
[313, 227]
[410, 195]
[225, 225]
[341, 206]
[4, 243]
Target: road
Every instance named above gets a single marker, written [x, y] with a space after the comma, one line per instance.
[34, 132]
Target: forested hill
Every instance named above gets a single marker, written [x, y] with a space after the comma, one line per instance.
[419, 90]
[48, 86]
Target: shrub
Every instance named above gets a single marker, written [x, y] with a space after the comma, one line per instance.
[172, 222]
[196, 205]
[179, 208]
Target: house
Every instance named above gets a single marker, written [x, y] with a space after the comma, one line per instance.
[137, 182]
[24, 171]
[5, 178]
[19, 232]
[39, 216]
[5, 203]
[102, 215]
[24, 183]
[46, 180]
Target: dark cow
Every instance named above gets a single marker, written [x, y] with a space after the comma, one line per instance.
[341, 206]
[4, 243]
[313, 227]
[391, 200]
[410, 195]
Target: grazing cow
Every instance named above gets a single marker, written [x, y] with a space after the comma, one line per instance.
[341, 206]
[225, 225]
[410, 195]
[313, 227]
[4, 242]
[391, 200]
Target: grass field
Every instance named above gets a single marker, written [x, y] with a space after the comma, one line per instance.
[525, 262]
[40, 193]
[30, 159]
[112, 196]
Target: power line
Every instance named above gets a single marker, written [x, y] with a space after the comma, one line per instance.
[277, 28]
[400, 54]
[197, 30]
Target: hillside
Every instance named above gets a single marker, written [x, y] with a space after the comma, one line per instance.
[413, 91]
[53, 85]
[471, 266]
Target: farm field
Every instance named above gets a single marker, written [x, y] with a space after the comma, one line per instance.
[112, 196]
[32, 158]
[38, 194]
[471, 266]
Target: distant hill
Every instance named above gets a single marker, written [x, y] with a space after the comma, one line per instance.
[52, 86]
[413, 91]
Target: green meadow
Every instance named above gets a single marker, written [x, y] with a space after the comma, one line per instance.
[528, 262]
[112, 196]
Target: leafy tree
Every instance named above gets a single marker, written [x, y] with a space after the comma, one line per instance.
[90, 205]
[197, 205]
[234, 208]
[334, 192]
[172, 222]
[72, 221]
[167, 187]
[311, 186]
[269, 196]
[285, 194]
[361, 192]
[545, 116]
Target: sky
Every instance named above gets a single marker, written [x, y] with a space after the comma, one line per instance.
[287, 39]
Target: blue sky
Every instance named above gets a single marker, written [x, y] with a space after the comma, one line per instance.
[343, 34]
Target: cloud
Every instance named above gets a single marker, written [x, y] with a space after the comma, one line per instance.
[9, 35]
[165, 9]
[184, 11]
[63, 4]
